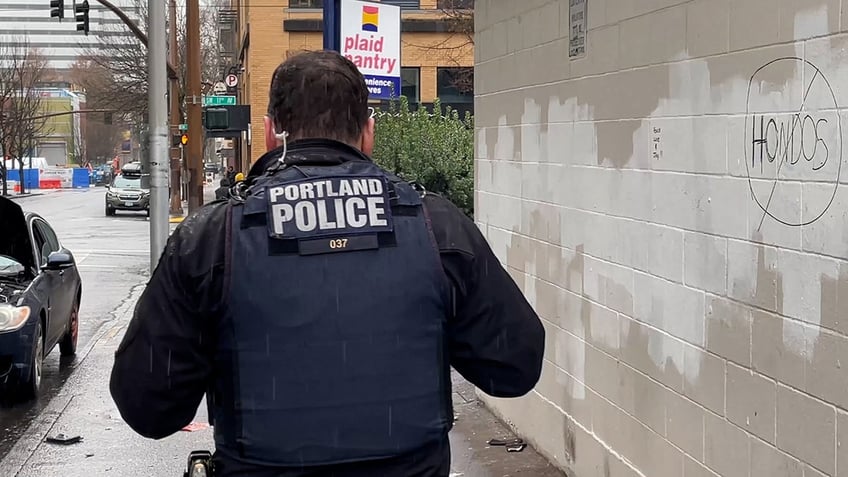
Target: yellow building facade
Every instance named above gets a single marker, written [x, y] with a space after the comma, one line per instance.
[437, 49]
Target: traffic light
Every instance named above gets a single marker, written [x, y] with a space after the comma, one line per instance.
[184, 139]
[57, 9]
[216, 118]
[81, 11]
[176, 140]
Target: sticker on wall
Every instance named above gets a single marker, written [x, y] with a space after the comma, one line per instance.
[577, 32]
[656, 143]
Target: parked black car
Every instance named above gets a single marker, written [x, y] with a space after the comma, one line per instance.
[40, 292]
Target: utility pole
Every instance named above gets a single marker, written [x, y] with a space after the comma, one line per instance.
[157, 64]
[194, 159]
[176, 117]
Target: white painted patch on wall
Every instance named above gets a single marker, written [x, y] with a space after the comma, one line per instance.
[572, 355]
[481, 146]
[504, 141]
[812, 22]
[691, 365]
[609, 448]
[603, 329]
[561, 112]
[799, 339]
[530, 282]
[533, 139]
[689, 90]
[662, 349]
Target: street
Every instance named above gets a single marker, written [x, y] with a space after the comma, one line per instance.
[112, 253]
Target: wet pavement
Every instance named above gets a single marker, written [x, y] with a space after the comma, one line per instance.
[112, 253]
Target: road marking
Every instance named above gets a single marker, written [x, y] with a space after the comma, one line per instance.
[111, 335]
[111, 251]
[124, 268]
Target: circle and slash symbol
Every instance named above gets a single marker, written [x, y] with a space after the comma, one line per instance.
[787, 142]
[231, 81]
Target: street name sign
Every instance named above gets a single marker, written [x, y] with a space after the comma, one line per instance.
[219, 100]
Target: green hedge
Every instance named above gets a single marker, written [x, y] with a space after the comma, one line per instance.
[434, 149]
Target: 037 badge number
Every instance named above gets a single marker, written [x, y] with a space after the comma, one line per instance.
[338, 243]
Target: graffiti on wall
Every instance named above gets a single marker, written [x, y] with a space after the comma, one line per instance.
[793, 133]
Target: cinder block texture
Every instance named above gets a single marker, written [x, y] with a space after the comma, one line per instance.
[673, 201]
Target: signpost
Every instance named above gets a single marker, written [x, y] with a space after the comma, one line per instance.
[370, 38]
[183, 127]
[219, 100]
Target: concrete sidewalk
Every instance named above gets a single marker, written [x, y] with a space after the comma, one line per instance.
[208, 196]
[109, 447]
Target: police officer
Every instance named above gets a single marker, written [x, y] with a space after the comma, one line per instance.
[320, 312]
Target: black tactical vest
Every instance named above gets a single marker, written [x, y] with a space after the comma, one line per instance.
[336, 322]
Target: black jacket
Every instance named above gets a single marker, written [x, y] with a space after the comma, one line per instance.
[163, 366]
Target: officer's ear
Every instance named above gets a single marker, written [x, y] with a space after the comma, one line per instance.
[271, 141]
[367, 139]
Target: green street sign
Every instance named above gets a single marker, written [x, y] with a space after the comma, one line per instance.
[219, 100]
[183, 127]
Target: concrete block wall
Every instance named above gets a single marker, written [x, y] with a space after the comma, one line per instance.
[675, 205]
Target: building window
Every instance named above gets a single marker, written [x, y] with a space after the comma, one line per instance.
[455, 85]
[306, 3]
[404, 4]
[410, 79]
[455, 4]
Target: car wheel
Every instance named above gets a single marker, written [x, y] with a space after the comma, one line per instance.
[109, 211]
[68, 345]
[33, 384]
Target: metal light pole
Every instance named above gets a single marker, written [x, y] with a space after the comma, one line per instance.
[332, 32]
[157, 64]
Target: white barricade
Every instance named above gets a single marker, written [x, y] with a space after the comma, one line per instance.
[65, 176]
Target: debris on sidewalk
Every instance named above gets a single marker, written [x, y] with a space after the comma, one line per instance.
[512, 445]
[64, 440]
[195, 426]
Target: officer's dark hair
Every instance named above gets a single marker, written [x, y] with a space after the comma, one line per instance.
[319, 94]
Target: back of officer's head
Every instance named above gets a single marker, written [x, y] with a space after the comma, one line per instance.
[319, 95]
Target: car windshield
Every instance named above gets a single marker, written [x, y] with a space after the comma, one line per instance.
[124, 182]
[10, 267]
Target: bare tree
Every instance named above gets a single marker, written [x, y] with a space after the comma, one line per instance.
[458, 44]
[23, 123]
[124, 60]
[459, 15]
[101, 140]
[8, 60]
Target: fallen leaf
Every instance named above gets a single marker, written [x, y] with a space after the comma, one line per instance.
[195, 426]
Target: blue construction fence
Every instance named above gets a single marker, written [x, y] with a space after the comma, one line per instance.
[80, 178]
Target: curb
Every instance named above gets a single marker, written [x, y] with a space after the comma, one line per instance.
[25, 196]
[33, 437]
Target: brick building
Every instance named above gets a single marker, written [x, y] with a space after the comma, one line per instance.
[437, 52]
[640, 169]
